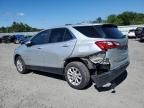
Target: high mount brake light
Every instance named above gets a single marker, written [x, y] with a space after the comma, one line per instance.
[105, 45]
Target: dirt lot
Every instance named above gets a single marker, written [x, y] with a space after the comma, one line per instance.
[37, 90]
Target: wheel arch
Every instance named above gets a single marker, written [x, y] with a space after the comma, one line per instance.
[84, 60]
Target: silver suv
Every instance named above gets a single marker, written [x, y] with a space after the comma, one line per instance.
[82, 53]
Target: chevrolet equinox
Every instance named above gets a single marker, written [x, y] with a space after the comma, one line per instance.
[82, 53]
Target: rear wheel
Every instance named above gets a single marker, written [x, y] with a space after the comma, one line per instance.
[21, 68]
[77, 75]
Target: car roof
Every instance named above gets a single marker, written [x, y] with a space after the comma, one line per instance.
[86, 24]
[82, 24]
[90, 24]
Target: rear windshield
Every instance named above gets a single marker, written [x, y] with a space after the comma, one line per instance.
[105, 31]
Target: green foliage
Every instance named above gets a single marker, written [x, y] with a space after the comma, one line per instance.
[98, 20]
[126, 18]
[18, 27]
[112, 18]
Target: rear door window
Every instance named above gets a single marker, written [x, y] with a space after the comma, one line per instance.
[56, 35]
[68, 36]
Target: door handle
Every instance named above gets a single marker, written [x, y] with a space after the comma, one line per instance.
[65, 46]
[39, 48]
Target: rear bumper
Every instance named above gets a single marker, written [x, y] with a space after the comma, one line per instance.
[107, 77]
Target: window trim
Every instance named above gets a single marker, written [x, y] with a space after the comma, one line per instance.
[73, 37]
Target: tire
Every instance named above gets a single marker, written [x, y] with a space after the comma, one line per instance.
[81, 79]
[141, 39]
[20, 65]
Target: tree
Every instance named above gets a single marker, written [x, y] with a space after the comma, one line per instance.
[18, 27]
[2, 29]
[126, 18]
[99, 20]
[112, 19]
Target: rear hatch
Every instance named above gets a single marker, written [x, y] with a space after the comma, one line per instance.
[117, 55]
[108, 35]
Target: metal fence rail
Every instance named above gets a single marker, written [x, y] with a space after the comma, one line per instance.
[19, 33]
[123, 29]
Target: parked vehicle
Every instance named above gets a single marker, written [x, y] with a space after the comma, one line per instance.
[6, 39]
[79, 52]
[139, 32]
[131, 33]
[17, 38]
[27, 38]
[0, 39]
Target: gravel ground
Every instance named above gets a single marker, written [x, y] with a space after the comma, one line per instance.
[37, 90]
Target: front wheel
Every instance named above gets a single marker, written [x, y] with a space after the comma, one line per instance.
[21, 68]
[77, 75]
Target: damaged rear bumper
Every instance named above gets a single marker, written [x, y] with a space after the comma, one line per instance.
[107, 77]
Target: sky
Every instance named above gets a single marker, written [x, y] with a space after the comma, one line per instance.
[46, 13]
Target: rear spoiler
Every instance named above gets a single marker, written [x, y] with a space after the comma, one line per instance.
[109, 25]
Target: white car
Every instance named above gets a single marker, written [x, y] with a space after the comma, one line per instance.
[131, 33]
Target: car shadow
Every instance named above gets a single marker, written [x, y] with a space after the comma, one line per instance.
[131, 37]
[52, 75]
[114, 83]
[58, 77]
[141, 41]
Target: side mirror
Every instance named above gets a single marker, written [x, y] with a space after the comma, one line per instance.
[28, 44]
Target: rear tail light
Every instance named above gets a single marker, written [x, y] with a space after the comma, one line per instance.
[105, 45]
